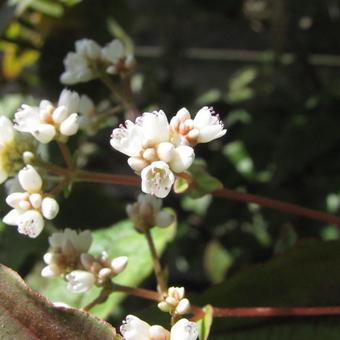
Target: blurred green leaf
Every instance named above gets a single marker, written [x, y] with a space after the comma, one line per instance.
[308, 275]
[204, 324]
[25, 314]
[197, 205]
[202, 182]
[217, 261]
[120, 239]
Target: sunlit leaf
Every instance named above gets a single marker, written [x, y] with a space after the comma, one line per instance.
[204, 324]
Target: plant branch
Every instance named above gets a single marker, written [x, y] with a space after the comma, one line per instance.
[219, 312]
[97, 177]
[156, 262]
[65, 151]
[277, 205]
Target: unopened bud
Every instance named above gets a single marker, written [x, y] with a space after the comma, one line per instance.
[119, 264]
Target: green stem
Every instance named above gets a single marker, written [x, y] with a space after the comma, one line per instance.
[156, 263]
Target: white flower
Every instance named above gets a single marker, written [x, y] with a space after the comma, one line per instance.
[209, 125]
[134, 328]
[47, 122]
[80, 281]
[175, 302]
[31, 206]
[147, 213]
[79, 65]
[157, 179]
[205, 127]
[6, 142]
[115, 54]
[184, 330]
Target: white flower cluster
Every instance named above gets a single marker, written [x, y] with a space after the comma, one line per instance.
[32, 206]
[90, 60]
[48, 122]
[134, 328]
[146, 213]
[158, 151]
[68, 256]
[175, 302]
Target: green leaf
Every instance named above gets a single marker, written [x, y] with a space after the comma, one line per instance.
[204, 324]
[25, 314]
[118, 240]
[308, 275]
[202, 182]
[217, 261]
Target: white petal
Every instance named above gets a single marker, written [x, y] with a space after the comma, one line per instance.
[134, 328]
[80, 281]
[49, 208]
[60, 114]
[184, 330]
[183, 157]
[202, 117]
[113, 51]
[82, 241]
[70, 126]
[44, 133]
[6, 130]
[163, 219]
[88, 48]
[77, 69]
[155, 127]
[27, 118]
[210, 133]
[128, 139]
[69, 99]
[30, 223]
[119, 264]
[12, 217]
[29, 179]
[157, 179]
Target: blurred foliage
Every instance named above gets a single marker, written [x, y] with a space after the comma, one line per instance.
[282, 114]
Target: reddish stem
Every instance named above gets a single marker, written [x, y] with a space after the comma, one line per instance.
[277, 205]
[97, 177]
[275, 311]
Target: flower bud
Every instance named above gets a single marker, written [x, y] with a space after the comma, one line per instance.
[49, 208]
[70, 125]
[165, 151]
[30, 223]
[80, 281]
[158, 333]
[51, 270]
[183, 307]
[29, 179]
[35, 200]
[137, 164]
[60, 114]
[184, 330]
[119, 264]
[28, 157]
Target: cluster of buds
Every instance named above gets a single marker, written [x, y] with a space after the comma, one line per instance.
[48, 122]
[174, 302]
[12, 149]
[159, 151]
[32, 206]
[68, 257]
[134, 328]
[90, 60]
[146, 213]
